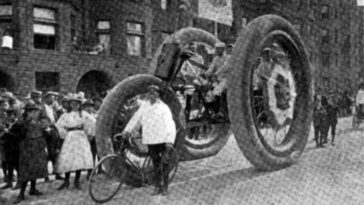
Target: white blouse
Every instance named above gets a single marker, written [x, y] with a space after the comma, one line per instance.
[74, 119]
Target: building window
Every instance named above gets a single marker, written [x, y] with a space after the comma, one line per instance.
[165, 4]
[135, 38]
[47, 81]
[337, 59]
[103, 34]
[44, 28]
[244, 22]
[325, 11]
[6, 10]
[325, 36]
[325, 59]
[73, 26]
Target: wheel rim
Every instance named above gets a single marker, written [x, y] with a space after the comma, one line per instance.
[106, 182]
[274, 92]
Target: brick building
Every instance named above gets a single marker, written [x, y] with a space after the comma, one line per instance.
[72, 45]
[332, 31]
[89, 45]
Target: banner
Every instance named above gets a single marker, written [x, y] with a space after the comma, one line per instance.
[216, 10]
[360, 2]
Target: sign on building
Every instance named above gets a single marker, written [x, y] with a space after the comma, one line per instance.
[360, 2]
[216, 10]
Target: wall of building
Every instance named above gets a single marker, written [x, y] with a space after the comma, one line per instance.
[344, 48]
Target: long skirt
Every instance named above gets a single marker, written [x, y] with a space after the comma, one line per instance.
[75, 153]
[32, 159]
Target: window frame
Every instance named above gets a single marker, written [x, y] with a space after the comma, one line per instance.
[326, 59]
[325, 15]
[325, 39]
[140, 34]
[106, 31]
[167, 4]
[46, 22]
[9, 15]
[45, 75]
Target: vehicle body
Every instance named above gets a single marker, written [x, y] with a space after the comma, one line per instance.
[269, 96]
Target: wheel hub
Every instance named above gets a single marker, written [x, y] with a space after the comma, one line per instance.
[281, 93]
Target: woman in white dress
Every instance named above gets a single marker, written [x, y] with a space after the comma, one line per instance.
[75, 154]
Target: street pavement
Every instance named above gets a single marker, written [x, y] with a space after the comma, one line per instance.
[330, 175]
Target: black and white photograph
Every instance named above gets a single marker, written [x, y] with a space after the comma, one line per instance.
[182, 102]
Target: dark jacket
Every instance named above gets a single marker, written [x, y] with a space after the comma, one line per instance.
[32, 154]
[53, 141]
[11, 146]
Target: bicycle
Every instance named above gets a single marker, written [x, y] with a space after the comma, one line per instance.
[115, 170]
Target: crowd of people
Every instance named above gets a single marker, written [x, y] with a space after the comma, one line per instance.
[46, 128]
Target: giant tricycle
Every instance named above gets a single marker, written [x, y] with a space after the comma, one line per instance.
[268, 101]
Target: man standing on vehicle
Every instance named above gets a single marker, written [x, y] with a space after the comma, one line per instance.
[155, 119]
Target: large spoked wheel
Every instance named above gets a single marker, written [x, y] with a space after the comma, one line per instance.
[171, 162]
[270, 93]
[106, 180]
[202, 139]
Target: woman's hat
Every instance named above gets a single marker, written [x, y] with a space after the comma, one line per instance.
[76, 97]
[88, 103]
[31, 106]
[50, 93]
[36, 94]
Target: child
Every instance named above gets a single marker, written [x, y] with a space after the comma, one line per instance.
[52, 138]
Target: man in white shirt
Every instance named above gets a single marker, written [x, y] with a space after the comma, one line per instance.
[48, 108]
[155, 119]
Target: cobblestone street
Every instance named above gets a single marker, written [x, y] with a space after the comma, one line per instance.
[331, 175]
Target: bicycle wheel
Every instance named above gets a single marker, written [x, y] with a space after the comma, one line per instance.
[106, 178]
[172, 162]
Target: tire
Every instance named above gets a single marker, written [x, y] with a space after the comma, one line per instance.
[249, 46]
[129, 87]
[184, 37]
[190, 150]
[101, 187]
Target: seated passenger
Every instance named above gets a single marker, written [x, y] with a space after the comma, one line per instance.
[190, 71]
[218, 71]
